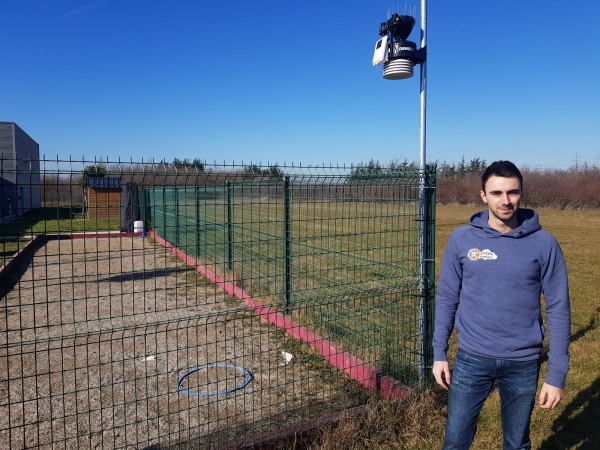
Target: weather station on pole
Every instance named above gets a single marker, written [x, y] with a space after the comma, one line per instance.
[398, 56]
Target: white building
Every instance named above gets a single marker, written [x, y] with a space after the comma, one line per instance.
[19, 171]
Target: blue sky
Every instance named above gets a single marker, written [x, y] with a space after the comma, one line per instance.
[277, 81]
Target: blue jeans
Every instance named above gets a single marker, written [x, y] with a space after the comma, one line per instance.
[472, 380]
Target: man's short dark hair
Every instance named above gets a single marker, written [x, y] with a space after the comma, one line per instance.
[504, 169]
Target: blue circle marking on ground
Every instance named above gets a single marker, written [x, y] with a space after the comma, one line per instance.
[210, 366]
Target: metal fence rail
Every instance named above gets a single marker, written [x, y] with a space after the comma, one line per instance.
[212, 322]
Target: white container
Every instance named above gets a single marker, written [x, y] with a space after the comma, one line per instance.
[138, 226]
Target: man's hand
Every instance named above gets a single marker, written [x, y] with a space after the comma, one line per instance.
[550, 396]
[441, 372]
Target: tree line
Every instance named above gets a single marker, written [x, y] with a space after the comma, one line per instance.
[575, 187]
[447, 171]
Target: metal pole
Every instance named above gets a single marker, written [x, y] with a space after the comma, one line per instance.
[423, 281]
[229, 228]
[423, 123]
[287, 245]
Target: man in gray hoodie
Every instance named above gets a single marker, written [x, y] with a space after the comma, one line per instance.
[493, 273]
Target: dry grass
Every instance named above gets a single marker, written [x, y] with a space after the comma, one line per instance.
[413, 423]
[417, 423]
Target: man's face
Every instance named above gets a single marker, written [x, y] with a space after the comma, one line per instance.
[502, 195]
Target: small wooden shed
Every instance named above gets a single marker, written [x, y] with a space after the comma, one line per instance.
[104, 198]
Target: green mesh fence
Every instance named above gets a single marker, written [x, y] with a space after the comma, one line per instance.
[155, 306]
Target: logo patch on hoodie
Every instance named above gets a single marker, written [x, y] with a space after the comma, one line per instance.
[474, 254]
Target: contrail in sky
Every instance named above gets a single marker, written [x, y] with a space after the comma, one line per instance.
[80, 9]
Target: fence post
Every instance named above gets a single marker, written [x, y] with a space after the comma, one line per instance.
[197, 222]
[427, 282]
[176, 208]
[229, 227]
[143, 206]
[164, 207]
[149, 216]
[287, 244]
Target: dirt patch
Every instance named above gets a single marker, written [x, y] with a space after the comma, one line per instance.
[95, 334]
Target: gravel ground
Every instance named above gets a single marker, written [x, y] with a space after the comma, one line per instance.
[95, 333]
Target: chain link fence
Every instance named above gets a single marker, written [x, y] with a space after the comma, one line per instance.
[160, 306]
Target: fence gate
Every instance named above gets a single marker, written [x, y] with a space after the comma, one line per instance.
[244, 303]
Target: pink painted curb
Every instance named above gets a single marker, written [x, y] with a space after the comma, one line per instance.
[354, 367]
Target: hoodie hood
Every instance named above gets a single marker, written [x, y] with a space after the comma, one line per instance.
[528, 223]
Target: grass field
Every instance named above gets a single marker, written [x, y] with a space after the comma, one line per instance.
[54, 220]
[48, 220]
[417, 423]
